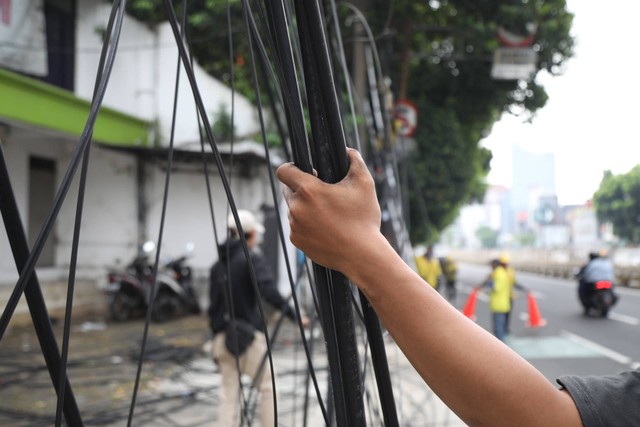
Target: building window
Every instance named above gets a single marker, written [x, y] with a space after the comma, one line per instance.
[42, 178]
[60, 26]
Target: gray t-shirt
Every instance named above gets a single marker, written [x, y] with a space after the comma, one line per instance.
[598, 269]
[603, 401]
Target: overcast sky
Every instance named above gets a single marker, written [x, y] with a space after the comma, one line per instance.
[592, 119]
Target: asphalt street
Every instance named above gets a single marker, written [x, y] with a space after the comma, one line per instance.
[569, 343]
[179, 381]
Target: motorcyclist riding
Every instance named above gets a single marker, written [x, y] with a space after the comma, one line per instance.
[599, 268]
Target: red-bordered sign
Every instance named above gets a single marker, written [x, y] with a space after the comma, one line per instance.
[406, 117]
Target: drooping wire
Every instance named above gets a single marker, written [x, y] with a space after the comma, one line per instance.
[345, 71]
[281, 234]
[165, 198]
[74, 248]
[224, 179]
[109, 51]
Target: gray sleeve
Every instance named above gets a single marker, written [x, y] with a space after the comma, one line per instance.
[612, 400]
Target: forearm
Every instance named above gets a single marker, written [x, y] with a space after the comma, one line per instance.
[476, 375]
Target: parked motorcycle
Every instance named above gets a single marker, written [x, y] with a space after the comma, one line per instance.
[129, 291]
[176, 294]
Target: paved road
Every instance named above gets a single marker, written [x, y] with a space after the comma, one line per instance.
[179, 382]
[570, 343]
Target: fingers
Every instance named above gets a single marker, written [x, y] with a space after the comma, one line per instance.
[291, 176]
[355, 159]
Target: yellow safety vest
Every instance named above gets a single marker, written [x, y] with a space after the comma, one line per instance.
[500, 297]
[429, 270]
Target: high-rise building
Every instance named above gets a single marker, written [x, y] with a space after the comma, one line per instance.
[533, 180]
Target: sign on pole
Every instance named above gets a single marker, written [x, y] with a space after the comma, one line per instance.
[514, 63]
[406, 117]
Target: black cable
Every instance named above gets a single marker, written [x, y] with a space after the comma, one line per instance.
[109, 51]
[74, 250]
[225, 182]
[165, 198]
[281, 234]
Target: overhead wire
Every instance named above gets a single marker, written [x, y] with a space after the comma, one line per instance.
[275, 197]
[110, 49]
[163, 211]
[74, 250]
[298, 149]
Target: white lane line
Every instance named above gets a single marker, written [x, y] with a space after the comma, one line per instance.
[607, 352]
[630, 320]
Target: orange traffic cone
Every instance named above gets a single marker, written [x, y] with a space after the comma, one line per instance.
[535, 319]
[470, 306]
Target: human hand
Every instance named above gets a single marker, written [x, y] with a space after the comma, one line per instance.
[332, 223]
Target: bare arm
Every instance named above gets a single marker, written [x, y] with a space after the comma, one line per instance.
[476, 375]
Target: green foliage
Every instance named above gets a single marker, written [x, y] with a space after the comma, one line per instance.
[210, 37]
[439, 54]
[526, 239]
[447, 48]
[488, 237]
[617, 201]
[222, 127]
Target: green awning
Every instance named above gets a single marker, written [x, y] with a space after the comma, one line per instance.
[32, 102]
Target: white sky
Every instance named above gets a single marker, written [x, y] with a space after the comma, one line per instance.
[592, 117]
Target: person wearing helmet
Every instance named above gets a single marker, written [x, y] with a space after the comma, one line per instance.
[513, 284]
[239, 343]
[598, 268]
[499, 297]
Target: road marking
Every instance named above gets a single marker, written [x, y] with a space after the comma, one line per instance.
[624, 318]
[607, 352]
[549, 347]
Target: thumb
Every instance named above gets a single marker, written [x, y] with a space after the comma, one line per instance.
[292, 176]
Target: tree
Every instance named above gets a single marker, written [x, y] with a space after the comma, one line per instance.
[488, 237]
[441, 59]
[617, 201]
[437, 53]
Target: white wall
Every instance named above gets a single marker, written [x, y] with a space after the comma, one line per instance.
[109, 217]
[132, 86]
[144, 76]
[188, 218]
[109, 220]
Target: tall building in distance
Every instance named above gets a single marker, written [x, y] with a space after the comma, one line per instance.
[534, 179]
[528, 214]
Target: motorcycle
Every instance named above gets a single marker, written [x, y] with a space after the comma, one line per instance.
[599, 299]
[176, 294]
[129, 291]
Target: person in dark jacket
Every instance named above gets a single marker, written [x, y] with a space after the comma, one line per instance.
[233, 300]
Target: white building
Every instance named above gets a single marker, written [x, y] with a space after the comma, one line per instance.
[48, 64]
[489, 213]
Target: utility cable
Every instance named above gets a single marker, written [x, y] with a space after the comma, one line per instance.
[163, 212]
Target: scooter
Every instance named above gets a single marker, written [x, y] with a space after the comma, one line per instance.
[128, 290]
[176, 294]
[599, 299]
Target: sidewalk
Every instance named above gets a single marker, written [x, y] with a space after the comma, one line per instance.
[179, 382]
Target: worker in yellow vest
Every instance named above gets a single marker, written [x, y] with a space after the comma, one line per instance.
[429, 268]
[499, 298]
[513, 284]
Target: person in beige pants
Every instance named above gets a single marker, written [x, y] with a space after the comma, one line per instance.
[231, 287]
[251, 363]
